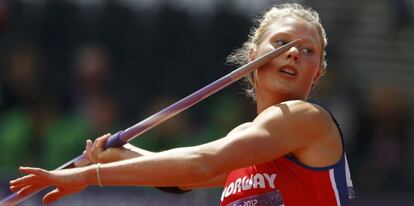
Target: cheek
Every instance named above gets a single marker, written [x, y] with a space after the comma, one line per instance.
[313, 66]
[310, 71]
[264, 48]
[264, 74]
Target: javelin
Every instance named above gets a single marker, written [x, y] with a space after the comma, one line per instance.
[122, 137]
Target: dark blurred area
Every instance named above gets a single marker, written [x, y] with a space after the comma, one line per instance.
[72, 70]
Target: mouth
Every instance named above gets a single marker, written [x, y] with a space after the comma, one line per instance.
[288, 70]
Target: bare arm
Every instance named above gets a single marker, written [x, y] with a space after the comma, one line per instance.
[220, 180]
[95, 153]
[295, 127]
[286, 128]
[137, 150]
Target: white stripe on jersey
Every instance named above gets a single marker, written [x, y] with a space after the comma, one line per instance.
[335, 189]
[348, 174]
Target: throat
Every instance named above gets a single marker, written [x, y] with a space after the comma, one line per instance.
[264, 101]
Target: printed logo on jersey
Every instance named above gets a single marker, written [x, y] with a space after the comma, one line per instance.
[258, 180]
[267, 199]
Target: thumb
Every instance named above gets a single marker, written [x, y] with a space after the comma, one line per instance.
[52, 196]
[58, 193]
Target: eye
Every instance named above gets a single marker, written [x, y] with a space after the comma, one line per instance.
[281, 42]
[307, 50]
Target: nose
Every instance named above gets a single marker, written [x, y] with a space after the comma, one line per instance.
[293, 53]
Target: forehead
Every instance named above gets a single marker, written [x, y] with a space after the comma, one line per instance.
[296, 28]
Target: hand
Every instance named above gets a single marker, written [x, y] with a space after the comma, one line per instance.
[67, 182]
[94, 152]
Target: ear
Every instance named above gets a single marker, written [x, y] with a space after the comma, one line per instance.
[252, 53]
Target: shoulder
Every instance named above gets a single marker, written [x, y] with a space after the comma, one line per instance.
[298, 117]
[295, 109]
[300, 106]
[240, 128]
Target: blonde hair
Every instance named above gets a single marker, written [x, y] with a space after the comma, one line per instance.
[262, 25]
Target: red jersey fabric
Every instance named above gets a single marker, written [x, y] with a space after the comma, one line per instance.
[286, 181]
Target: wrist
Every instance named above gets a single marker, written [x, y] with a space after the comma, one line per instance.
[98, 174]
[91, 176]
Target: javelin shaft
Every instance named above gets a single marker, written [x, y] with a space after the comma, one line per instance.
[122, 137]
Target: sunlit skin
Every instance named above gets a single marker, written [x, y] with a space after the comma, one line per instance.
[272, 85]
[285, 124]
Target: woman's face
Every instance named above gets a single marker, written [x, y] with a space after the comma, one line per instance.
[293, 73]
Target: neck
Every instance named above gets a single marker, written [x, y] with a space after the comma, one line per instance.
[265, 101]
[262, 105]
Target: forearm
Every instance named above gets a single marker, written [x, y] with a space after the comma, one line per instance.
[132, 152]
[180, 166]
[138, 150]
[189, 165]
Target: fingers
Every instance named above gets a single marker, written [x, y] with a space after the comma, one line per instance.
[89, 154]
[20, 181]
[99, 144]
[28, 190]
[94, 150]
[54, 195]
[15, 187]
[58, 193]
[36, 175]
[36, 179]
[98, 147]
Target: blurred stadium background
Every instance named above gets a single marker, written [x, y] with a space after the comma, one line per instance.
[75, 69]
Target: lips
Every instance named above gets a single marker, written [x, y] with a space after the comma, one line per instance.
[288, 70]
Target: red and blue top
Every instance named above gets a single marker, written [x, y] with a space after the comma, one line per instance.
[287, 181]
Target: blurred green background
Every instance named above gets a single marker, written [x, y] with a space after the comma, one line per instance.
[76, 69]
